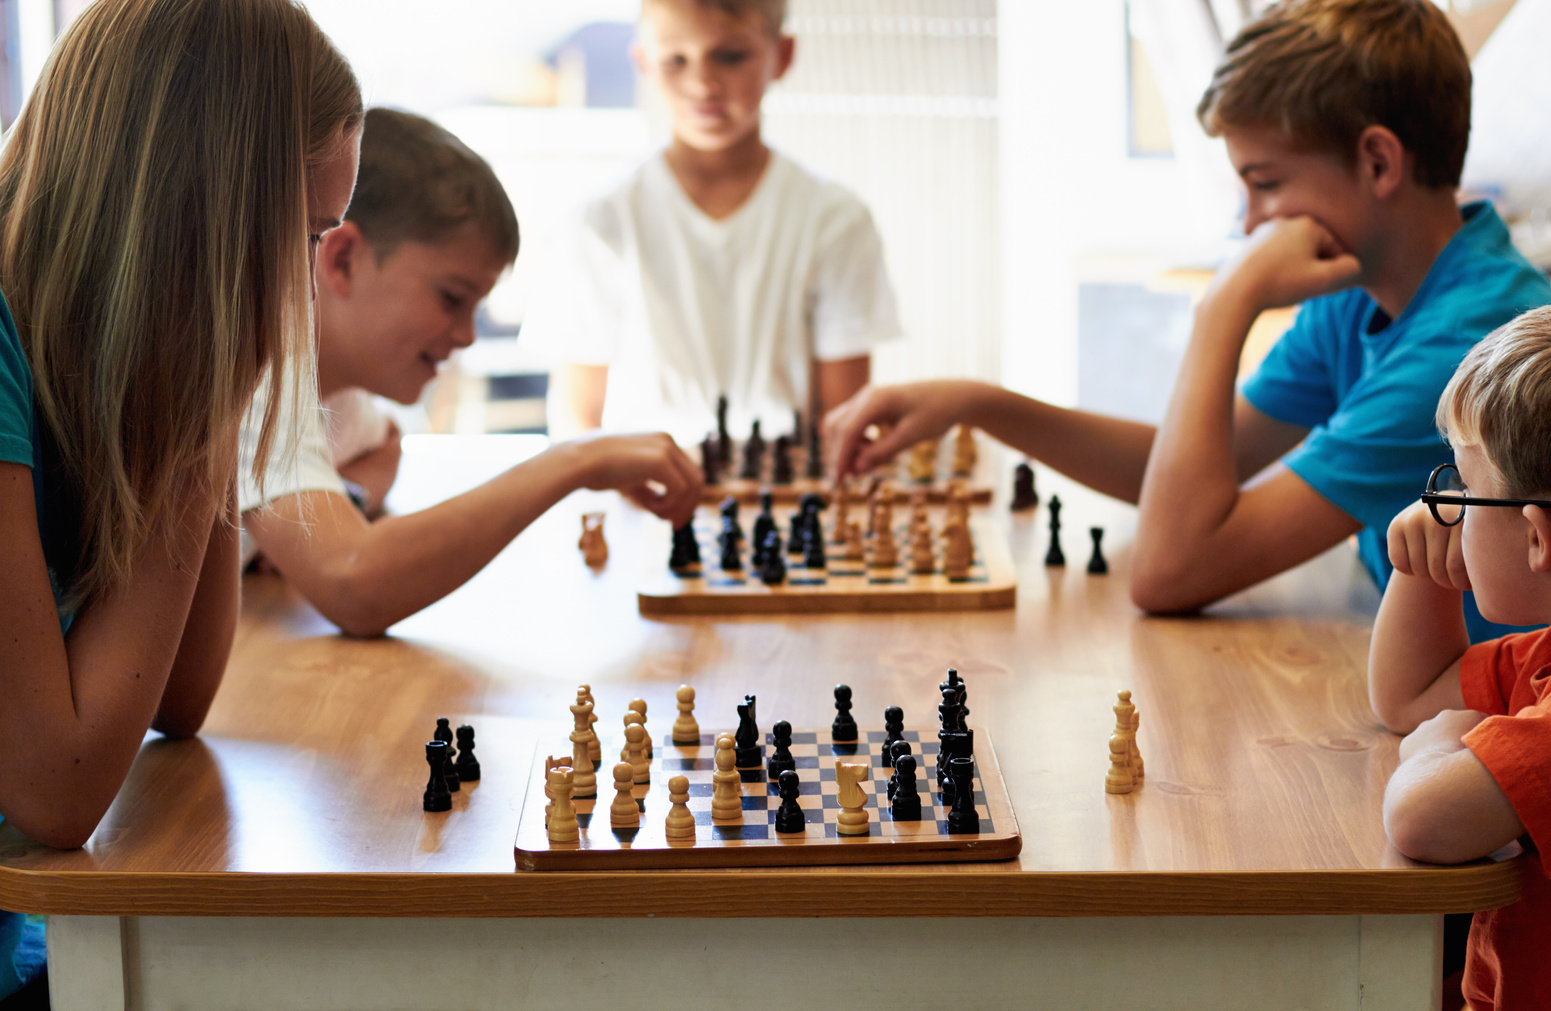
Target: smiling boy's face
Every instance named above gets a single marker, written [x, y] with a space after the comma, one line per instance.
[711, 68]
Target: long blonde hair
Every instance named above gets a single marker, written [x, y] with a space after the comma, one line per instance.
[153, 248]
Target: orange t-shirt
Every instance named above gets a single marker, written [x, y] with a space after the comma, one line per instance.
[1509, 679]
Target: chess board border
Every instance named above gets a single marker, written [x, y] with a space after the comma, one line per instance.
[647, 847]
[662, 592]
[747, 492]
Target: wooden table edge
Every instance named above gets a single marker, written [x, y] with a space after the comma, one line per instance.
[747, 894]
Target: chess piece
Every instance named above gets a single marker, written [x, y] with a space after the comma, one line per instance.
[772, 570]
[781, 465]
[781, 757]
[764, 526]
[815, 557]
[918, 518]
[444, 734]
[729, 511]
[815, 462]
[709, 462]
[923, 552]
[963, 818]
[855, 547]
[582, 711]
[922, 463]
[797, 534]
[684, 559]
[853, 818]
[893, 728]
[726, 784]
[595, 550]
[632, 718]
[958, 549]
[892, 755]
[680, 823]
[1024, 496]
[624, 812]
[635, 737]
[842, 514]
[1138, 770]
[639, 705]
[1097, 566]
[551, 763]
[467, 765]
[723, 437]
[843, 730]
[1055, 557]
[732, 558]
[686, 730]
[563, 826]
[747, 737]
[753, 455]
[1119, 778]
[965, 453]
[584, 781]
[885, 553]
[436, 796]
[905, 796]
[789, 817]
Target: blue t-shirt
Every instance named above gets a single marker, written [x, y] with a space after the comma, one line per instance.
[1368, 386]
[21, 937]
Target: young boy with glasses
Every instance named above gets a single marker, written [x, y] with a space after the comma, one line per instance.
[1475, 769]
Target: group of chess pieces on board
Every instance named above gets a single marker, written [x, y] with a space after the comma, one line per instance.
[1025, 497]
[875, 545]
[737, 752]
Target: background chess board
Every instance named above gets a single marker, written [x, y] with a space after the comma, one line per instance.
[843, 586]
[755, 841]
[747, 490]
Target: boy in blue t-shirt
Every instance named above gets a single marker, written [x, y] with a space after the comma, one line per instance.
[1348, 121]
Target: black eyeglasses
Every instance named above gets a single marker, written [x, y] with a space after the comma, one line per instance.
[1446, 496]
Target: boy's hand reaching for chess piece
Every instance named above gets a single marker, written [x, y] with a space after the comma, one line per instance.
[904, 415]
[650, 470]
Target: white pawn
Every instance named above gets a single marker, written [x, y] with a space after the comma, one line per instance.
[639, 706]
[633, 745]
[563, 826]
[726, 784]
[624, 812]
[680, 823]
[685, 729]
[632, 717]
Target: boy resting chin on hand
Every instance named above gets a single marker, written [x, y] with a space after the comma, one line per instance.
[1475, 768]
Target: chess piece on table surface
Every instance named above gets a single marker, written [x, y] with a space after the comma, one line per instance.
[709, 463]
[726, 784]
[730, 539]
[789, 818]
[444, 734]
[923, 551]
[685, 556]
[1097, 566]
[747, 737]
[963, 818]
[781, 755]
[965, 453]
[1055, 557]
[639, 705]
[922, 462]
[885, 552]
[893, 728]
[680, 823]
[582, 711]
[764, 526]
[632, 718]
[595, 550]
[853, 818]
[1120, 778]
[843, 730]
[815, 557]
[467, 765]
[624, 812]
[563, 826]
[635, 742]
[855, 548]
[753, 455]
[436, 796]
[772, 569]
[723, 436]
[1138, 770]
[905, 796]
[958, 549]
[1023, 494]
[781, 462]
[892, 755]
[686, 729]
[584, 781]
[814, 470]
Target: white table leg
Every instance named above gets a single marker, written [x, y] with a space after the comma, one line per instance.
[1400, 963]
[86, 963]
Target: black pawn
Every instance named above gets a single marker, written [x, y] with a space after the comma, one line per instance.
[815, 557]
[437, 797]
[781, 465]
[1023, 494]
[843, 730]
[709, 463]
[1097, 566]
[685, 556]
[1055, 556]
[815, 466]
[730, 512]
[753, 455]
[746, 740]
[789, 816]
[904, 797]
[962, 817]
[723, 437]
[444, 734]
[893, 726]
[764, 526]
[772, 569]
[467, 765]
[732, 557]
[797, 534]
[897, 750]
[781, 759]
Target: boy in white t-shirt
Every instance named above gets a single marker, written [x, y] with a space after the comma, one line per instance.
[427, 234]
[718, 267]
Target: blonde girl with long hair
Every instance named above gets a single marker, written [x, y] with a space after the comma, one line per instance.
[160, 195]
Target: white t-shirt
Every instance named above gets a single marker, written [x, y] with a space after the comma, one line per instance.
[348, 424]
[684, 308]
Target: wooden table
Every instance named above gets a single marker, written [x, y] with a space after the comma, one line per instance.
[282, 860]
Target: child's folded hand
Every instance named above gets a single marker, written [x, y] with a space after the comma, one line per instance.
[1421, 546]
[1442, 733]
[1287, 261]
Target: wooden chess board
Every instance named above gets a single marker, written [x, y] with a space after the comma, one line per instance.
[755, 841]
[747, 490]
[841, 587]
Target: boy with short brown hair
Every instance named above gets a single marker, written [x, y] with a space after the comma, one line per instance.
[1475, 771]
[1347, 121]
[718, 266]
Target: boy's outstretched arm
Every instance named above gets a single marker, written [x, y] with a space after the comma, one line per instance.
[366, 576]
[1442, 805]
[1200, 535]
